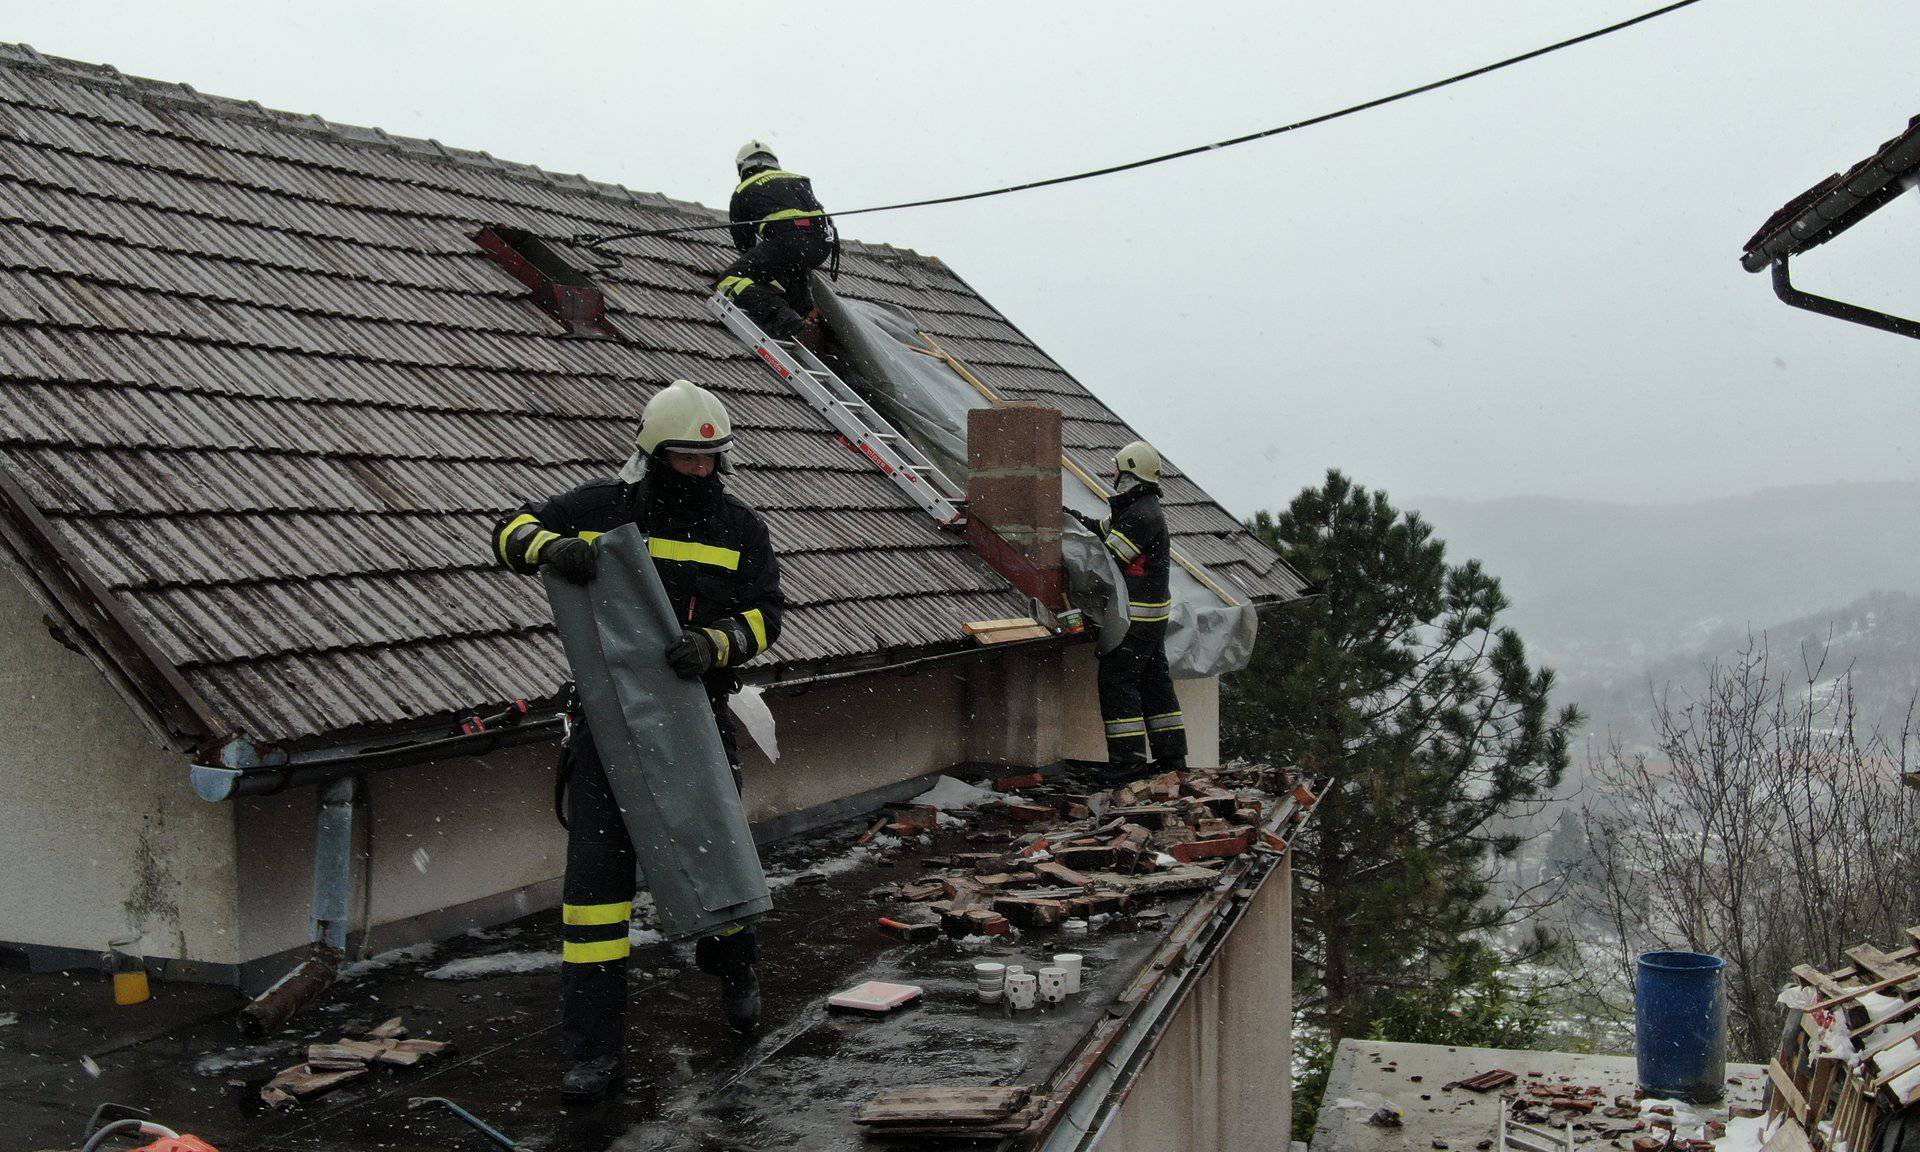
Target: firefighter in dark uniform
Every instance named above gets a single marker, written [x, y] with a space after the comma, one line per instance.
[717, 563]
[1137, 701]
[782, 235]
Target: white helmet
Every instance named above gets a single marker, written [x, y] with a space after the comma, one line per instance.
[751, 151]
[1138, 459]
[684, 417]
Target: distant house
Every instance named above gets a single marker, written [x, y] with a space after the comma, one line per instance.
[261, 394]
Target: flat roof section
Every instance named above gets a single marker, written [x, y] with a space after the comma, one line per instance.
[1368, 1074]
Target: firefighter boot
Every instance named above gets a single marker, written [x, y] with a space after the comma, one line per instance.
[731, 957]
[740, 999]
[592, 1079]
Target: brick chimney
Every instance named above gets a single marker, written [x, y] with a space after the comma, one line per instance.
[1013, 495]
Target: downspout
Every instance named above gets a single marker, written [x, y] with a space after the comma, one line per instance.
[332, 914]
[1838, 309]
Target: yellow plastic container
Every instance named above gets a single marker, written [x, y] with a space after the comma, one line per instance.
[131, 988]
[129, 970]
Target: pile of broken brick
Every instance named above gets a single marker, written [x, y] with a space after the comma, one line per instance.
[328, 1066]
[1627, 1121]
[1050, 853]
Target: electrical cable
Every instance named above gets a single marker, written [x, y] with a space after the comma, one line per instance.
[593, 242]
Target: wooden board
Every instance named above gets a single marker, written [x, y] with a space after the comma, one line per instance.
[1796, 1104]
[976, 627]
[1012, 635]
[967, 1105]
[1791, 1137]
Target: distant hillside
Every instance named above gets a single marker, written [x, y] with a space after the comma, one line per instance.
[1605, 590]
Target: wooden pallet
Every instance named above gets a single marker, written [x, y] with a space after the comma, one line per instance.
[1834, 1101]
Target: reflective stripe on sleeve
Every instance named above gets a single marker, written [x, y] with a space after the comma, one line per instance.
[693, 553]
[1122, 547]
[757, 622]
[514, 525]
[595, 951]
[596, 913]
[541, 539]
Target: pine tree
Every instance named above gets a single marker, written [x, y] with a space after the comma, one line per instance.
[1398, 683]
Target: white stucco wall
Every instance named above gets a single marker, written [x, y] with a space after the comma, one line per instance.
[100, 832]
[1220, 1080]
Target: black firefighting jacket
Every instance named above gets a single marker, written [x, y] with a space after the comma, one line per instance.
[774, 199]
[1136, 533]
[717, 563]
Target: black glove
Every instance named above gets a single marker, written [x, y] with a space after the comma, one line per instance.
[692, 655]
[1087, 522]
[570, 556]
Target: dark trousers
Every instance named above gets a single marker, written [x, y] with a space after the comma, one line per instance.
[769, 281]
[597, 903]
[1137, 702]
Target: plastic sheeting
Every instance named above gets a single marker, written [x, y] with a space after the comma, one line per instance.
[929, 401]
[656, 737]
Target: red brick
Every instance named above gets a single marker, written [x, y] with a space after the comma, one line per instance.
[1015, 783]
[1210, 849]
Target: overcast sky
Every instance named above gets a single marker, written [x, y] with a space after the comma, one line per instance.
[1527, 284]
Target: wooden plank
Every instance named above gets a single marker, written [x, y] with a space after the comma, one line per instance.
[1012, 635]
[1904, 1032]
[1825, 1073]
[1854, 993]
[1819, 980]
[1788, 1090]
[975, 627]
[1898, 1072]
[1790, 1137]
[1885, 965]
[1887, 1019]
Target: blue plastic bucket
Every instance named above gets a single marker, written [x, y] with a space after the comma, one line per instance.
[1680, 1026]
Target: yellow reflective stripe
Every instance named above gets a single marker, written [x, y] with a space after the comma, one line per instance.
[785, 214]
[763, 177]
[1126, 726]
[596, 913]
[590, 537]
[734, 285]
[513, 525]
[595, 951]
[722, 646]
[757, 621]
[1131, 549]
[731, 929]
[691, 552]
[1166, 722]
[541, 539]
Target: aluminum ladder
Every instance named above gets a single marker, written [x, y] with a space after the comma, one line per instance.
[863, 429]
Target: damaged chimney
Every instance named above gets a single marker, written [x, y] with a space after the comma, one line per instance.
[1013, 495]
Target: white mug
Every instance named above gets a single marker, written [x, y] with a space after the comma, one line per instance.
[1021, 990]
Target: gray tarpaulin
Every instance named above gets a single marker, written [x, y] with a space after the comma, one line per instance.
[929, 401]
[656, 736]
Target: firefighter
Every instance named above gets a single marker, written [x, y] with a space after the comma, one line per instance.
[782, 235]
[1137, 701]
[715, 559]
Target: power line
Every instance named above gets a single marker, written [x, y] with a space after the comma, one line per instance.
[593, 242]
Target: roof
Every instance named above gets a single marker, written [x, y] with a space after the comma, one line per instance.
[1836, 203]
[691, 1085]
[265, 393]
[1421, 1078]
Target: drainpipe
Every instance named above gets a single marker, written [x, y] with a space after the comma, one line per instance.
[332, 914]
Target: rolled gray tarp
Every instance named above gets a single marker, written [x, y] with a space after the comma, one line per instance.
[928, 401]
[656, 736]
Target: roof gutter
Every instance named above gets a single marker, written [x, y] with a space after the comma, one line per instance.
[276, 770]
[1838, 309]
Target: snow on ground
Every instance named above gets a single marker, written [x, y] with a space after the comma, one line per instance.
[845, 862]
[412, 953]
[1744, 1134]
[494, 964]
[7, 1018]
[221, 1063]
[949, 793]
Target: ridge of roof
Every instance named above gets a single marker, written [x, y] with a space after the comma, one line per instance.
[106, 76]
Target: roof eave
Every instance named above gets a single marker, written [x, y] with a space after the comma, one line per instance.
[115, 642]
